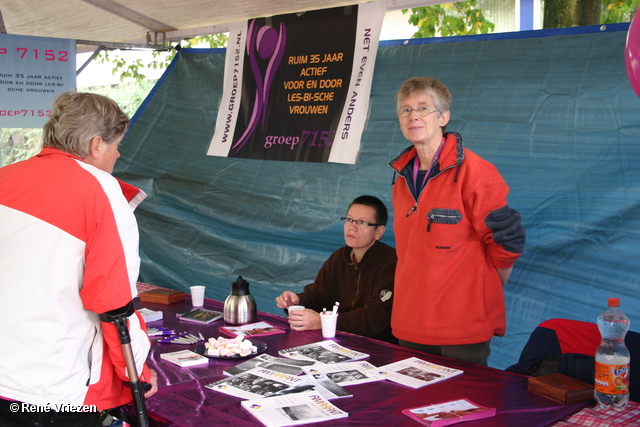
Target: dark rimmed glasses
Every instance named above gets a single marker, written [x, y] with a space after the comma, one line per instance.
[359, 222]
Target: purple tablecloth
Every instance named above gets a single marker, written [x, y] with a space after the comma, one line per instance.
[183, 400]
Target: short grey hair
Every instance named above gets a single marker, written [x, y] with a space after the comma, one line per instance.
[77, 117]
[433, 87]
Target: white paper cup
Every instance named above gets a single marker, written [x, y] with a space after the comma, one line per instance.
[295, 307]
[329, 322]
[197, 296]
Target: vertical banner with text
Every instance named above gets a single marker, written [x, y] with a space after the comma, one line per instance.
[296, 86]
[33, 72]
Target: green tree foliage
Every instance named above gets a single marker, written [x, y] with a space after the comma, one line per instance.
[160, 59]
[615, 11]
[450, 19]
[19, 144]
[567, 13]
[128, 96]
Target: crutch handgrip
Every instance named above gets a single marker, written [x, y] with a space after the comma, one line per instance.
[119, 318]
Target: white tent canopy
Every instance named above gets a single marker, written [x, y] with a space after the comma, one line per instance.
[147, 22]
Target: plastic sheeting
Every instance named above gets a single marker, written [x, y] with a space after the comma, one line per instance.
[553, 110]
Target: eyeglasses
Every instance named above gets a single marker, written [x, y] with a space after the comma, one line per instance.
[421, 110]
[359, 222]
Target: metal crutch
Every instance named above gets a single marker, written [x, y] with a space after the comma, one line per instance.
[119, 318]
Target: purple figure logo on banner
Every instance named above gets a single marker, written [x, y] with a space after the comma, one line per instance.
[267, 43]
[632, 54]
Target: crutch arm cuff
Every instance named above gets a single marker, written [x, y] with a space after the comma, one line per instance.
[122, 312]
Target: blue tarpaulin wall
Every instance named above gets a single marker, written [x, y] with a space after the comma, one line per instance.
[553, 110]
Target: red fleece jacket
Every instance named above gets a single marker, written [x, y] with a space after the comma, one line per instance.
[447, 289]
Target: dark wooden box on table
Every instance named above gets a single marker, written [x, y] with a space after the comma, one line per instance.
[561, 388]
[162, 296]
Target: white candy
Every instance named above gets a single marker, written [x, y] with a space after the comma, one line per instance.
[228, 347]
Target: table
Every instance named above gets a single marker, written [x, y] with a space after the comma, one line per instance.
[183, 400]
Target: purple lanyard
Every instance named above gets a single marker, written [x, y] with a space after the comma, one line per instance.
[416, 167]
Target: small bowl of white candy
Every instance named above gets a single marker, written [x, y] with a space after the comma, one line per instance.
[232, 347]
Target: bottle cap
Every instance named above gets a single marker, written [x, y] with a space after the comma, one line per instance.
[614, 302]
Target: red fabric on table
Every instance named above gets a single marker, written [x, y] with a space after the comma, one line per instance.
[575, 336]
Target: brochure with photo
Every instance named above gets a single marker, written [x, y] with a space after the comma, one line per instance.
[257, 383]
[293, 409]
[345, 374]
[184, 358]
[416, 373]
[250, 330]
[324, 352]
[451, 412]
[278, 364]
[327, 388]
[200, 315]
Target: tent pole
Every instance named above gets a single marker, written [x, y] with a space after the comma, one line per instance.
[96, 53]
[3, 29]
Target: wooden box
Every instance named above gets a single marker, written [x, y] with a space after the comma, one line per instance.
[162, 296]
[561, 388]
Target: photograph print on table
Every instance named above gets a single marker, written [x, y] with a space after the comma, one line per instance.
[293, 409]
[447, 413]
[415, 372]
[346, 374]
[256, 383]
[324, 352]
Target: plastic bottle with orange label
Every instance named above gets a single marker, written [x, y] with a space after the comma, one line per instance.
[612, 358]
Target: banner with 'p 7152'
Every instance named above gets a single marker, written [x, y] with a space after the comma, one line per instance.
[33, 72]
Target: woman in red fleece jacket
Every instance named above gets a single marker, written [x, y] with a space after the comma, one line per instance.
[456, 237]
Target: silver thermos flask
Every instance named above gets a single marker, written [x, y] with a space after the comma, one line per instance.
[240, 307]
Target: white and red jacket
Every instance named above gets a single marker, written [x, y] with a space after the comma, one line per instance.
[68, 252]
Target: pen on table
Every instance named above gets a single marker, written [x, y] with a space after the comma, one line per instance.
[169, 339]
[162, 334]
[185, 339]
[201, 336]
[180, 341]
[159, 330]
[191, 337]
[335, 308]
[174, 335]
[156, 333]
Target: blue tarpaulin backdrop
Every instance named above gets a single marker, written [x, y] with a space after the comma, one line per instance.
[553, 110]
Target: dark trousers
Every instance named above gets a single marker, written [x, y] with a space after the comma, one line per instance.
[474, 353]
[15, 414]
